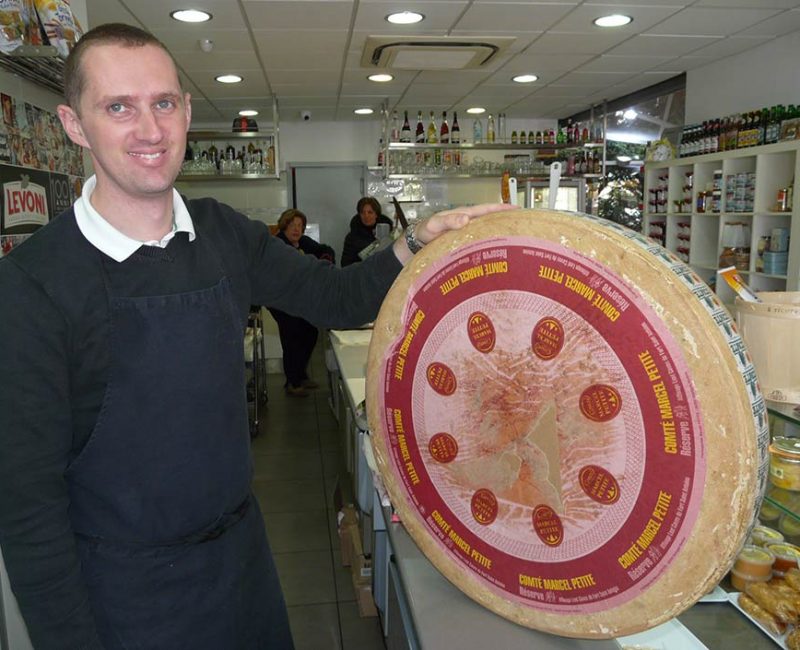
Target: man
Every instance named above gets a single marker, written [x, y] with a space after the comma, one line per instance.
[126, 517]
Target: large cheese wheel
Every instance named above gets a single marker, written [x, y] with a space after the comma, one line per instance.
[567, 422]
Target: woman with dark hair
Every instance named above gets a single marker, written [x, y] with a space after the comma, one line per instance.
[298, 337]
[362, 229]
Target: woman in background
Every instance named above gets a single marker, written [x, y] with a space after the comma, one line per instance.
[362, 229]
[298, 337]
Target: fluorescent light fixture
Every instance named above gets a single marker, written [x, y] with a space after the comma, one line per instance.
[630, 114]
[363, 111]
[476, 110]
[248, 113]
[613, 20]
[525, 78]
[405, 18]
[190, 15]
[380, 78]
[228, 78]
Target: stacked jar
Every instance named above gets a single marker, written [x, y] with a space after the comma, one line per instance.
[740, 192]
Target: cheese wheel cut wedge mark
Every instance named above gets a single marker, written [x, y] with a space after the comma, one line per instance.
[590, 463]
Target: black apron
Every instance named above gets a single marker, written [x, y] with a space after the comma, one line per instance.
[171, 540]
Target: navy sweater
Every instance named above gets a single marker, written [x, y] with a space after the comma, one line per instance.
[54, 340]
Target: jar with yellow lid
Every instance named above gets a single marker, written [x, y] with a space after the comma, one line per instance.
[784, 463]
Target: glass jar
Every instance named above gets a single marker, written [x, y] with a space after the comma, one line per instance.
[784, 463]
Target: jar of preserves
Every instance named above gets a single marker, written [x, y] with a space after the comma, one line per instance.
[784, 463]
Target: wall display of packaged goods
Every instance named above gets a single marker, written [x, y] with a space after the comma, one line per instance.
[732, 208]
[237, 155]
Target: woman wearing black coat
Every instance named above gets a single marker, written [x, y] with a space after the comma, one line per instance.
[298, 337]
[362, 229]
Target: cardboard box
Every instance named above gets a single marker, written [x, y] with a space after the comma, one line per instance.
[362, 568]
[348, 523]
[366, 603]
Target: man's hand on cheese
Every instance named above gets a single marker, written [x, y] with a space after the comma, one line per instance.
[425, 231]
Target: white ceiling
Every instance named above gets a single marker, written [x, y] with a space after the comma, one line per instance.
[308, 52]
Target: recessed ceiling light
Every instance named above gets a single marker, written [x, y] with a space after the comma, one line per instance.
[613, 20]
[363, 111]
[405, 18]
[190, 15]
[525, 78]
[229, 78]
[248, 113]
[380, 78]
[476, 110]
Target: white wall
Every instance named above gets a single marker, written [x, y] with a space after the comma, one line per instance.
[764, 76]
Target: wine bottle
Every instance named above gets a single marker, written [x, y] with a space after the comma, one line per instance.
[455, 132]
[405, 132]
[420, 134]
[433, 132]
[444, 131]
[394, 136]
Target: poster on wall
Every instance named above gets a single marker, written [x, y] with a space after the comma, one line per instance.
[30, 199]
[41, 170]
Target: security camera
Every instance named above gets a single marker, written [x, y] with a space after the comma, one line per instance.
[206, 44]
[306, 115]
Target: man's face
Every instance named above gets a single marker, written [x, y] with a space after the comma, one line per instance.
[368, 216]
[133, 118]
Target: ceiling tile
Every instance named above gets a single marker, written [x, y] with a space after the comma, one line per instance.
[730, 46]
[617, 63]
[439, 17]
[575, 42]
[545, 64]
[301, 90]
[749, 4]
[644, 16]
[330, 15]
[592, 79]
[509, 16]
[225, 40]
[653, 44]
[778, 26]
[711, 21]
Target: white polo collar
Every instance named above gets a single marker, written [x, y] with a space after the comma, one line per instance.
[118, 246]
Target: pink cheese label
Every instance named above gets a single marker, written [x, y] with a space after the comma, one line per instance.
[543, 424]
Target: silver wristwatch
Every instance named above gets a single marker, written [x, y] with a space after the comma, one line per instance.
[414, 244]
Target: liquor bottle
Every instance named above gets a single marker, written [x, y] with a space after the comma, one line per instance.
[514, 137]
[444, 131]
[477, 131]
[569, 134]
[394, 136]
[576, 134]
[523, 138]
[585, 134]
[380, 153]
[230, 152]
[213, 155]
[532, 138]
[762, 136]
[420, 134]
[561, 137]
[455, 132]
[405, 132]
[551, 136]
[433, 132]
[502, 136]
[490, 132]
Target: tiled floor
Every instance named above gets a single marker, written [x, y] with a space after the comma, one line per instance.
[298, 459]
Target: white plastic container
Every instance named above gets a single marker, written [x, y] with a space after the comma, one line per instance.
[771, 330]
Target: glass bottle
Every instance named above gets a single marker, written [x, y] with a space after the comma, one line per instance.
[420, 132]
[490, 132]
[433, 132]
[444, 131]
[394, 136]
[455, 132]
[477, 131]
[405, 131]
